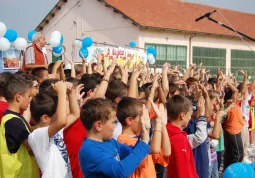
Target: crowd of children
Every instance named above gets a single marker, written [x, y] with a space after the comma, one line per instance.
[98, 121]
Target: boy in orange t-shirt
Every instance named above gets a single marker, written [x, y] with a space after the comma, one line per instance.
[129, 112]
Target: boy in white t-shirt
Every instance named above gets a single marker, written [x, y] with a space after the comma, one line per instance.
[47, 142]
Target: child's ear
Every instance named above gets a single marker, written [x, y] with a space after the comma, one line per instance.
[40, 80]
[98, 126]
[90, 93]
[17, 97]
[44, 119]
[117, 100]
[128, 121]
[182, 115]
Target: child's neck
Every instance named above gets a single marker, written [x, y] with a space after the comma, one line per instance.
[128, 131]
[178, 124]
[93, 136]
[2, 99]
[14, 107]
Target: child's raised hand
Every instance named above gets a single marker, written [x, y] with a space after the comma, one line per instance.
[155, 82]
[220, 114]
[163, 113]
[60, 86]
[112, 67]
[69, 87]
[146, 118]
[201, 106]
[79, 95]
[144, 133]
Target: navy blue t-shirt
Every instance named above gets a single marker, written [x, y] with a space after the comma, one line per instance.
[200, 153]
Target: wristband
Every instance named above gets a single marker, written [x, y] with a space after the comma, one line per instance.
[104, 79]
[202, 118]
[155, 130]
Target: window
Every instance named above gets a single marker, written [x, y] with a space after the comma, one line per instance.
[242, 60]
[175, 55]
[212, 58]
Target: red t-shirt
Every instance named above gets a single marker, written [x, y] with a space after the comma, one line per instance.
[3, 108]
[73, 137]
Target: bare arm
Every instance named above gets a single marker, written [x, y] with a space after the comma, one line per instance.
[61, 115]
[101, 90]
[73, 107]
[165, 83]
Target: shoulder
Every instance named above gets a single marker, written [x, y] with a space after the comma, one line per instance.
[14, 123]
[38, 133]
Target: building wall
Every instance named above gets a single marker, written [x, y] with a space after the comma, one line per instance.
[91, 18]
[181, 38]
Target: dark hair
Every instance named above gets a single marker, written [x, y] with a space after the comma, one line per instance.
[78, 68]
[240, 87]
[45, 86]
[173, 88]
[67, 73]
[191, 81]
[29, 77]
[97, 109]
[98, 77]
[74, 81]
[228, 94]
[4, 78]
[43, 104]
[20, 72]
[128, 107]
[50, 67]
[176, 105]
[38, 71]
[116, 89]
[90, 82]
[212, 80]
[16, 84]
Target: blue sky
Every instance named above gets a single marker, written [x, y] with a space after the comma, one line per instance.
[25, 15]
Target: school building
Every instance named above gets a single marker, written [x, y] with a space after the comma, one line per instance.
[168, 25]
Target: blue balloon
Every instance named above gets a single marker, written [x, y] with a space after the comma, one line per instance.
[132, 44]
[11, 35]
[84, 51]
[30, 35]
[154, 52]
[87, 42]
[150, 49]
[238, 170]
[62, 39]
[58, 49]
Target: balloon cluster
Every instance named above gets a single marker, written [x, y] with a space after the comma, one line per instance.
[151, 55]
[83, 45]
[56, 41]
[8, 36]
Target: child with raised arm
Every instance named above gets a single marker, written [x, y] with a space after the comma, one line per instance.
[47, 141]
[101, 155]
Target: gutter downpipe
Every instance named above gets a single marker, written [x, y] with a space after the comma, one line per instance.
[190, 47]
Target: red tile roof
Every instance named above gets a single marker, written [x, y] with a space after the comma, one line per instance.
[177, 15]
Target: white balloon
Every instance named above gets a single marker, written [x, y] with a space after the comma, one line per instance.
[57, 54]
[78, 43]
[151, 59]
[4, 44]
[68, 65]
[54, 42]
[20, 43]
[144, 58]
[2, 29]
[56, 34]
